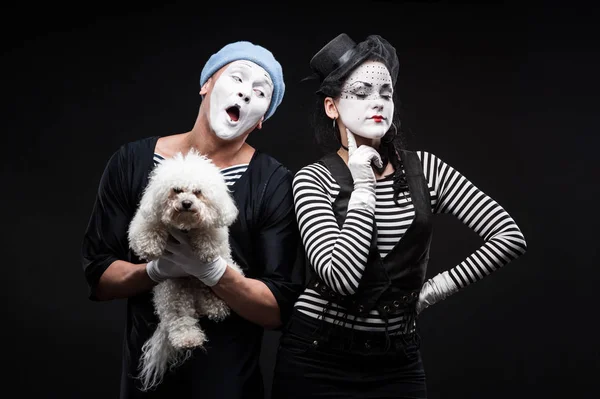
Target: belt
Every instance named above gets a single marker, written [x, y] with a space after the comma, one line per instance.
[388, 304]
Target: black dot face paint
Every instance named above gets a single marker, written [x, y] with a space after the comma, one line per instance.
[369, 81]
[365, 104]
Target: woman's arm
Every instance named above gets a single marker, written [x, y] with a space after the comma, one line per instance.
[503, 240]
[338, 256]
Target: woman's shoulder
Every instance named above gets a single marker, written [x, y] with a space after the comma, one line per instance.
[315, 174]
[422, 154]
[314, 170]
[428, 159]
[314, 167]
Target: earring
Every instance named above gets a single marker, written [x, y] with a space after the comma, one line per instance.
[334, 123]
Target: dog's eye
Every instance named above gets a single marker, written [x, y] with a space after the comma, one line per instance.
[197, 192]
[177, 190]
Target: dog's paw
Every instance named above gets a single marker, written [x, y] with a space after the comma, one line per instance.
[149, 244]
[150, 255]
[215, 308]
[218, 314]
[187, 337]
[206, 258]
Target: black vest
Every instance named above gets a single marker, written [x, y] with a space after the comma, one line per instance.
[390, 284]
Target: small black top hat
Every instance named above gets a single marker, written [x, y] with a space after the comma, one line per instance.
[333, 55]
[341, 55]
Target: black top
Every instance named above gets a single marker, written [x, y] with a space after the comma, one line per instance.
[265, 244]
[391, 283]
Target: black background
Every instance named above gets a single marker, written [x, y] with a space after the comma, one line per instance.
[506, 94]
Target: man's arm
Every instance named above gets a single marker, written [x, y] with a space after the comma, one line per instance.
[122, 280]
[249, 298]
[278, 278]
[268, 298]
[105, 244]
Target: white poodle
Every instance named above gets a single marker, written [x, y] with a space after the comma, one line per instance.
[187, 193]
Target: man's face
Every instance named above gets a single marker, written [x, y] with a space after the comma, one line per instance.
[239, 99]
[365, 105]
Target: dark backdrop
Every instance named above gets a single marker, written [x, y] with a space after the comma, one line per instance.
[505, 94]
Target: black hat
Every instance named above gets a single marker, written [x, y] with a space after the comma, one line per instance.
[342, 54]
[333, 55]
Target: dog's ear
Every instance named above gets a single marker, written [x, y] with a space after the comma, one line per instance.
[228, 211]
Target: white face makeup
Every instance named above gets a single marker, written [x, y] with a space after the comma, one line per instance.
[365, 105]
[239, 99]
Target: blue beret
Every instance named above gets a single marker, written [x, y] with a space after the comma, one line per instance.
[244, 50]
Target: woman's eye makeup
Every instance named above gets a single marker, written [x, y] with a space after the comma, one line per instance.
[363, 92]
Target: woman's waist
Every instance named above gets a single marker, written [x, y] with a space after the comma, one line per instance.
[389, 300]
[313, 305]
[323, 333]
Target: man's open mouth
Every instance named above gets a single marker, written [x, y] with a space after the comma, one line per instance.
[234, 113]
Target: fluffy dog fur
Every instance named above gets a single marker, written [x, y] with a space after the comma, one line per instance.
[188, 193]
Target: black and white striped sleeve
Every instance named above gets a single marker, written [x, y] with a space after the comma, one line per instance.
[338, 256]
[456, 195]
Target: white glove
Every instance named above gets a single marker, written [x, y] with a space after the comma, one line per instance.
[434, 290]
[161, 269]
[359, 163]
[180, 252]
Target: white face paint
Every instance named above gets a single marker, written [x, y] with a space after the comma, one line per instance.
[239, 99]
[365, 105]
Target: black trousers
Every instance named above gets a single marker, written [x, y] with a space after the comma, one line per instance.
[318, 360]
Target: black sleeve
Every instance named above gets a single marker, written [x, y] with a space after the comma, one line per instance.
[278, 245]
[105, 238]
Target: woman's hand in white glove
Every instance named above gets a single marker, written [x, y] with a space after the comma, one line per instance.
[360, 162]
[434, 290]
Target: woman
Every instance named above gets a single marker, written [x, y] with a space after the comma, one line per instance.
[365, 217]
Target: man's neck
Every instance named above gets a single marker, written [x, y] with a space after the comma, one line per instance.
[223, 153]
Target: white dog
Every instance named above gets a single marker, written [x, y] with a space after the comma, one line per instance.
[187, 193]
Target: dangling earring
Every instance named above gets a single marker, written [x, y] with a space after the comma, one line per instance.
[334, 123]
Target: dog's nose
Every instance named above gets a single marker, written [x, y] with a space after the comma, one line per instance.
[186, 204]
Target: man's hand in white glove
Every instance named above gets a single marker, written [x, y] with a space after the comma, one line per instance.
[180, 252]
[360, 164]
[161, 269]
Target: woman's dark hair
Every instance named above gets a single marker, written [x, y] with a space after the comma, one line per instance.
[374, 48]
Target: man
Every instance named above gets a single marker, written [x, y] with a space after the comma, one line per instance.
[241, 87]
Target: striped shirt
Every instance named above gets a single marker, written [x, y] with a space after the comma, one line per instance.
[339, 256]
[231, 173]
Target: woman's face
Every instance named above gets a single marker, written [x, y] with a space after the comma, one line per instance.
[365, 105]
